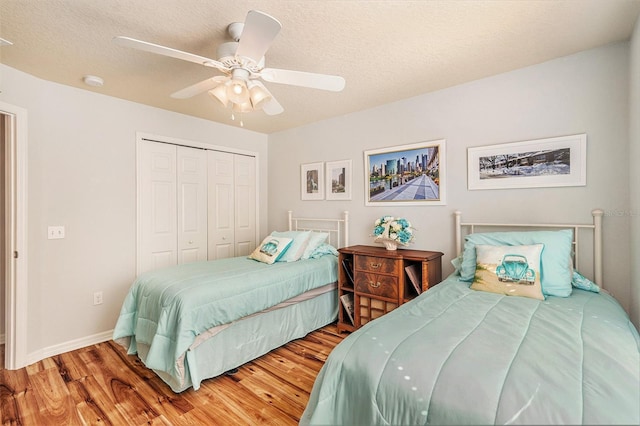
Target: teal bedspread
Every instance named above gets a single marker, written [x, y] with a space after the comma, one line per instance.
[166, 309]
[456, 356]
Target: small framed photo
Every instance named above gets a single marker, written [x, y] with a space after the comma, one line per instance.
[408, 175]
[338, 180]
[559, 161]
[312, 181]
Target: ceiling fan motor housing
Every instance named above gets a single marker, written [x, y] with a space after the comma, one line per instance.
[227, 55]
[227, 51]
[235, 30]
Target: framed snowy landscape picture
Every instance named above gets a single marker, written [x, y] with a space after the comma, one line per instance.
[559, 161]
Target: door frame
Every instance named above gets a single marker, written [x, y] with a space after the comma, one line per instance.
[15, 236]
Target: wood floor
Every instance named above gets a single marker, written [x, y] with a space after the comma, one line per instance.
[102, 385]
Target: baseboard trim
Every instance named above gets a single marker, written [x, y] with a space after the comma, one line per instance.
[69, 346]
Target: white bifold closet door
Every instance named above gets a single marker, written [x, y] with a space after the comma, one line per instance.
[232, 204]
[172, 205]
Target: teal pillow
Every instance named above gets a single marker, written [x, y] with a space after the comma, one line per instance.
[583, 283]
[297, 246]
[555, 261]
[322, 250]
[315, 240]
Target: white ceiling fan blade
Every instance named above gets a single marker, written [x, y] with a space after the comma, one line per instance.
[201, 87]
[257, 35]
[333, 83]
[167, 51]
[272, 107]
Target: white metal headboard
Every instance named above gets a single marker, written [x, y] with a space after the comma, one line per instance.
[596, 226]
[338, 229]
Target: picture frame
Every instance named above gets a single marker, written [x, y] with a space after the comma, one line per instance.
[338, 180]
[412, 174]
[312, 181]
[549, 162]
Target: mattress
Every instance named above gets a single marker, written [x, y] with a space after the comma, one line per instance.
[458, 356]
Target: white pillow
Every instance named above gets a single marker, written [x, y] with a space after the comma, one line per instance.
[297, 247]
[270, 249]
[315, 240]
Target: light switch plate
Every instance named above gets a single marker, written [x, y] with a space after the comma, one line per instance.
[55, 232]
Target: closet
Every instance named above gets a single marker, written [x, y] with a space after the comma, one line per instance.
[194, 204]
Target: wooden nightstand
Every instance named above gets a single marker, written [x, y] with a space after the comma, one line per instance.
[376, 281]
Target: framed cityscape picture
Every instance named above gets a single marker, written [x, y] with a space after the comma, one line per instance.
[338, 180]
[407, 174]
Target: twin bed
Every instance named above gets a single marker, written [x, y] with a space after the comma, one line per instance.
[198, 320]
[562, 351]
[468, 352]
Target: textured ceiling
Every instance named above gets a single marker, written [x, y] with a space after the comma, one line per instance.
[386, 50]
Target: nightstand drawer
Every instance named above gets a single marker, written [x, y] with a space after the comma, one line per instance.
[377, 285]
[379, 265]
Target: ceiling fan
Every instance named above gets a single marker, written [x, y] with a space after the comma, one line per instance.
[242, 64]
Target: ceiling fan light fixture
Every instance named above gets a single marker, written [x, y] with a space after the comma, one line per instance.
[237, 89]
[220, 94]
[237, 92]
[242, 107]
[258, 94]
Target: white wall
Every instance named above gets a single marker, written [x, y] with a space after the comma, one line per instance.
[582, 93]
[81, 161]
[634, 181]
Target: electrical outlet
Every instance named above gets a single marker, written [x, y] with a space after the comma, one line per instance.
[97, 298]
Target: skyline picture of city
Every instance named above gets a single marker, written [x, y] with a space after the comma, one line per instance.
[338, 185]
[408, 174]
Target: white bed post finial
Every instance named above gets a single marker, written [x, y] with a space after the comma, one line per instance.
[457, 215]
[346, 228]
[290, 215]
[597, 244]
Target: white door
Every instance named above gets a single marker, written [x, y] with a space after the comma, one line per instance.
[245, 204]
[221, 205]
[157, 211]
[191, 177]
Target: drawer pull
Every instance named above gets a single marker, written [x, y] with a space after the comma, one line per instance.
[376, 265]
[374, 285]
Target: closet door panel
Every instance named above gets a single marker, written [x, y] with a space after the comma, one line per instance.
[191, 204]
[245, 204]
[221, 205]
[157, 206]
